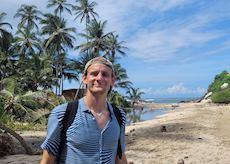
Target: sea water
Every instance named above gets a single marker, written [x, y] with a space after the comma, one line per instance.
[149, 114]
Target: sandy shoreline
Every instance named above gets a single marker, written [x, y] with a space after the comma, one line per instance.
[195, 133]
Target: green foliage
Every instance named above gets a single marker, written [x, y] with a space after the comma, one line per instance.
[4, 117]
[220, 79]
[118, 99]
[221, 96]
[34, 60]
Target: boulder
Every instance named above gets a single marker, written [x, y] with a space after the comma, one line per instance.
[207, 95]
[205, 101]
[224, 86]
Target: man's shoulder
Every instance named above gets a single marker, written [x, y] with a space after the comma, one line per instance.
[59, 109]
[119, 109]
[119, 113]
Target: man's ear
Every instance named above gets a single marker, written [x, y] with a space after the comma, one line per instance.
[84, 79]
[113, 80]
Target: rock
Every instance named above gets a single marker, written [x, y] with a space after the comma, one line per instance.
[6, 144]
[163, 128]
[205, 101]
[175, 105]
[132, 130]
[224, 86]
[180, 161]
[207, 95]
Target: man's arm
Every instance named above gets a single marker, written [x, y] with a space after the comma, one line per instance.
[123, 159]
[47, 158]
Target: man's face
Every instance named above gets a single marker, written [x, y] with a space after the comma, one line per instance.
[99, 78]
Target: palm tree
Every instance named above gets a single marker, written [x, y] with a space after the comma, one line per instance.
[7, 67]
[60, 36]
[96, 36]
[116, 98]
[85, 10]
[60, 5]
[114, 46]
[3, 31]
[6, 38]
[69, 70]
[26, 43]
[83, 59]
[121, 77]
[58, 41]
[16, 102]
[134, 95]
[29, 16]
[38, 73]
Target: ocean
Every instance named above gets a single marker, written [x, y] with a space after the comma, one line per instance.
[171, 100]
[146, 114]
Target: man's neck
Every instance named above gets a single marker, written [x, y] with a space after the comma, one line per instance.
[96, 102]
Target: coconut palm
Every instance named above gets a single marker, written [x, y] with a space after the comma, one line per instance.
[60, 5]
[85, 10]
[134, 95]
[38, 73]
[116, 98]
[114, 46]
[26, 43]
[121, 77]
[97, 38]
[29, 16]
[83, 59]
[6, 38]
[7, 67]
[3, 31]
[58, 41]
[60, 36]
[17, 103]
[69, 70]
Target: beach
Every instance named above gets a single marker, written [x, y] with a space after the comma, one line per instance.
[192, 133]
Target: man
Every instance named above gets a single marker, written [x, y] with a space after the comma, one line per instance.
[93, 136]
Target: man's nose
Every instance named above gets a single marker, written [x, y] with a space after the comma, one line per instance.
[99, 76]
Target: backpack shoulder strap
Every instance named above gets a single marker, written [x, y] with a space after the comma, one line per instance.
[118, 115]
[68, 118]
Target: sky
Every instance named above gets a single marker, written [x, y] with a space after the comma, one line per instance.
[175, 47]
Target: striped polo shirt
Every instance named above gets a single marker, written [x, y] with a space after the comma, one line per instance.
[86, 142]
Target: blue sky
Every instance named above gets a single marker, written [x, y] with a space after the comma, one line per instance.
[176, 47]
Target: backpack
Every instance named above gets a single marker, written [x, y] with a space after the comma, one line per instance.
[69, 116]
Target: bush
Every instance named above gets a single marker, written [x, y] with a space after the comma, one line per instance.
[221, 96]
[1, 104]
[220, 79]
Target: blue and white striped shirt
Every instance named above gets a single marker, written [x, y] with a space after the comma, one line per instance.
[86, 142]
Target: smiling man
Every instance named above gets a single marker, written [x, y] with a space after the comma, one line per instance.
[95, 134]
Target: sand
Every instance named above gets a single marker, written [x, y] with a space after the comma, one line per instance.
[192, 133]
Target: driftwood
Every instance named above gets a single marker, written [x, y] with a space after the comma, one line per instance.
[18, 137]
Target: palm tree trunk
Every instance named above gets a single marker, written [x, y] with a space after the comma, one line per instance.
[18, 137]
[86, 29]
[62, 84]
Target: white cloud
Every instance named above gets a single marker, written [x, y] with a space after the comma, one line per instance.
[163, 38]
[177, 89]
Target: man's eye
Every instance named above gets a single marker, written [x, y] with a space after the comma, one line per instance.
[94, 74]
